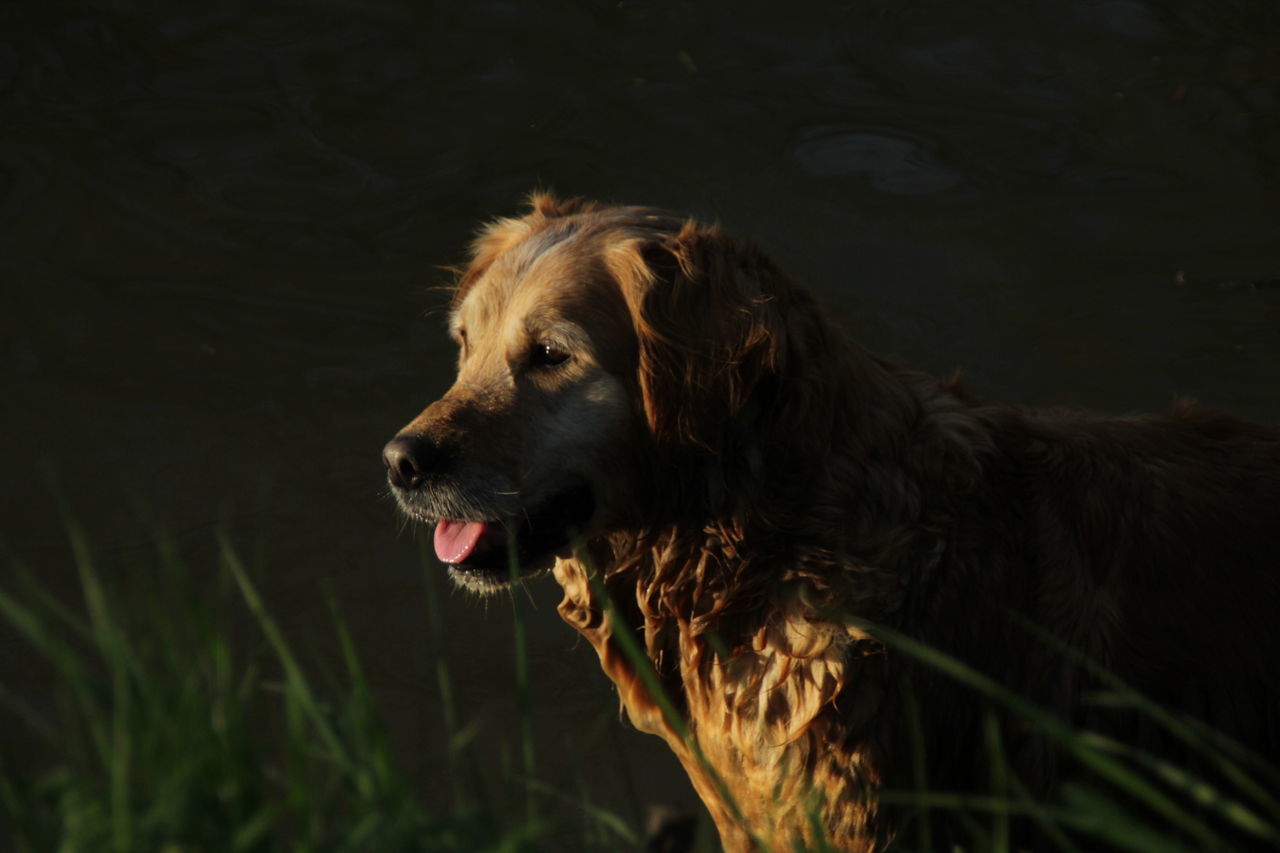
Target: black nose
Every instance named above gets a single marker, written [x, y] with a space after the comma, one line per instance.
[409, 460]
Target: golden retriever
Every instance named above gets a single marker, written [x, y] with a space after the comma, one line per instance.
[757, 493]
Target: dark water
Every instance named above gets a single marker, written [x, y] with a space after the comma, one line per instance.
[220, 225]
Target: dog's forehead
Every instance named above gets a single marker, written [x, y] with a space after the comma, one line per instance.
[552, 272]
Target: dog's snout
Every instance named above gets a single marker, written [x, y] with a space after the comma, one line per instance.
[410, 460]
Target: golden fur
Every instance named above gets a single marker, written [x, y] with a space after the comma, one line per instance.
[763, 489]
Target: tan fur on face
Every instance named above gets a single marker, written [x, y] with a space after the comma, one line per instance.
[766, 490]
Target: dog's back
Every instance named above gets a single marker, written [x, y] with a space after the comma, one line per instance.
[1100, 555]
[1155, 539]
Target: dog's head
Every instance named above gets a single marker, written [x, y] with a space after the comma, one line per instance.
[599, 347]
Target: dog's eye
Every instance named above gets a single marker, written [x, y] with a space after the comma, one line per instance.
[547, 355]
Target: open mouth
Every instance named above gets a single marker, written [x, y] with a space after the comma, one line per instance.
[481, 554]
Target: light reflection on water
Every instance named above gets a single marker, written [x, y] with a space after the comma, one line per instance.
[220, 229]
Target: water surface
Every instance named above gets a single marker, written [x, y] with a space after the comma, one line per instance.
[221, 227]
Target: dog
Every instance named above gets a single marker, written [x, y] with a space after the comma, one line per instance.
[719, 477]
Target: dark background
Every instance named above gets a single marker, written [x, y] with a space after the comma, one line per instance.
[221, 226]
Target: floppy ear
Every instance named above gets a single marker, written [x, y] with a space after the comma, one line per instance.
[704, 305]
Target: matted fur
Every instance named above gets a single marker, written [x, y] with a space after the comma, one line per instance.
[765, 486]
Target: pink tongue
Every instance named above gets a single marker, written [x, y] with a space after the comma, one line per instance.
[455, 540]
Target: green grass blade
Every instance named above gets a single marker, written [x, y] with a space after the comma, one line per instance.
[298, 691]
[1194, 788]
[1224, 754]
[1104, 765]
[72, 672]
[600, 816]
[114, 648]
[523, 694]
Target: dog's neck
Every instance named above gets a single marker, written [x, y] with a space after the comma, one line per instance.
[751, 724]
[752, 675]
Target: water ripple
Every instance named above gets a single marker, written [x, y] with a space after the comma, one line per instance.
[889, 163]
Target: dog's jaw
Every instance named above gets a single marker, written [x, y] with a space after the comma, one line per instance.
[478, 582]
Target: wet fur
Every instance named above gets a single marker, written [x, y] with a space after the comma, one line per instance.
[768, 488]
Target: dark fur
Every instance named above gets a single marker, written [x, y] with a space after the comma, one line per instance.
[786, 488]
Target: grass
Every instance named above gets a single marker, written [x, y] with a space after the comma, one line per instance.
[183, 720]
[1123, 797]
